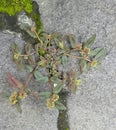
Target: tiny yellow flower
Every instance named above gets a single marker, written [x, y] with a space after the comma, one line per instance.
[50, 103]
[78, 82]
[16, 56]
[22, 95]
[13, 98]
[61, 45]
[94, 63]
[55, 97]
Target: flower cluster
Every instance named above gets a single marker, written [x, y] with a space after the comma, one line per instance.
[51, 101]
[16, 96]
[13, 98]
[94, 63]
[16, 56]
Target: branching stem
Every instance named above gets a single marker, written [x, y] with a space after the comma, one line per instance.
[78, 57]
[29, 77]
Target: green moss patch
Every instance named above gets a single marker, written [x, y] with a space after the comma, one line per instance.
[14, 6]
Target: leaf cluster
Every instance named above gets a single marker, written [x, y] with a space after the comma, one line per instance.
[49, 53]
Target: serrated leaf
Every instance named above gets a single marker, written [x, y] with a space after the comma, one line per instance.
[72, 41]
[101, 54]
[60, 106]
[40, 77]
[18, 108]
[90, 41]
[45, 94]
[30, 68]
[58, 88]
[64, 60]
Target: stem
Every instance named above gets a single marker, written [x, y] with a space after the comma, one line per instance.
[38, 38]
[78, 57]
[67, 51]
[28, 54]
[29, 77]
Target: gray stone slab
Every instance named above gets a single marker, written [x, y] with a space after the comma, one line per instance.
[35, 115]
[94, 105]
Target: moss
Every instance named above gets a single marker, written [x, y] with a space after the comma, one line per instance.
[1, 24]
[34, 14]
[63, 122]
[14, 6]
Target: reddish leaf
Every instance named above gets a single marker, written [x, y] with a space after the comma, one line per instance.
[14, 82]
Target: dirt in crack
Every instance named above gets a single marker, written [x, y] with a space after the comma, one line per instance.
[63, 122]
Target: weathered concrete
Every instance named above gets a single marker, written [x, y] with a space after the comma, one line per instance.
[94, 105]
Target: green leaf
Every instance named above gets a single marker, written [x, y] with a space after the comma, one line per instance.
[90, 41]
[30, 60]
[15, 48]
[30, 68]
[58, 88]
[95, 51]
[54, 79]
[12, 47]
[64, 60]
[5, 95]
[41, 51]
[40, 77]
[45, 94]
[28, 48]
[27, 29]
[18, 108]
[60, 106]
[72, 41]
[101, 54]
[19, 62]
[83, 65]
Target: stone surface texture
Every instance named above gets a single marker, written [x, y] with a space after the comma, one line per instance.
[94, 105]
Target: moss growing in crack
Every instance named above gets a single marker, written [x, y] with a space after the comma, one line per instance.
[12, 7]
[1, 24]
[62, 122]
[34, 14]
